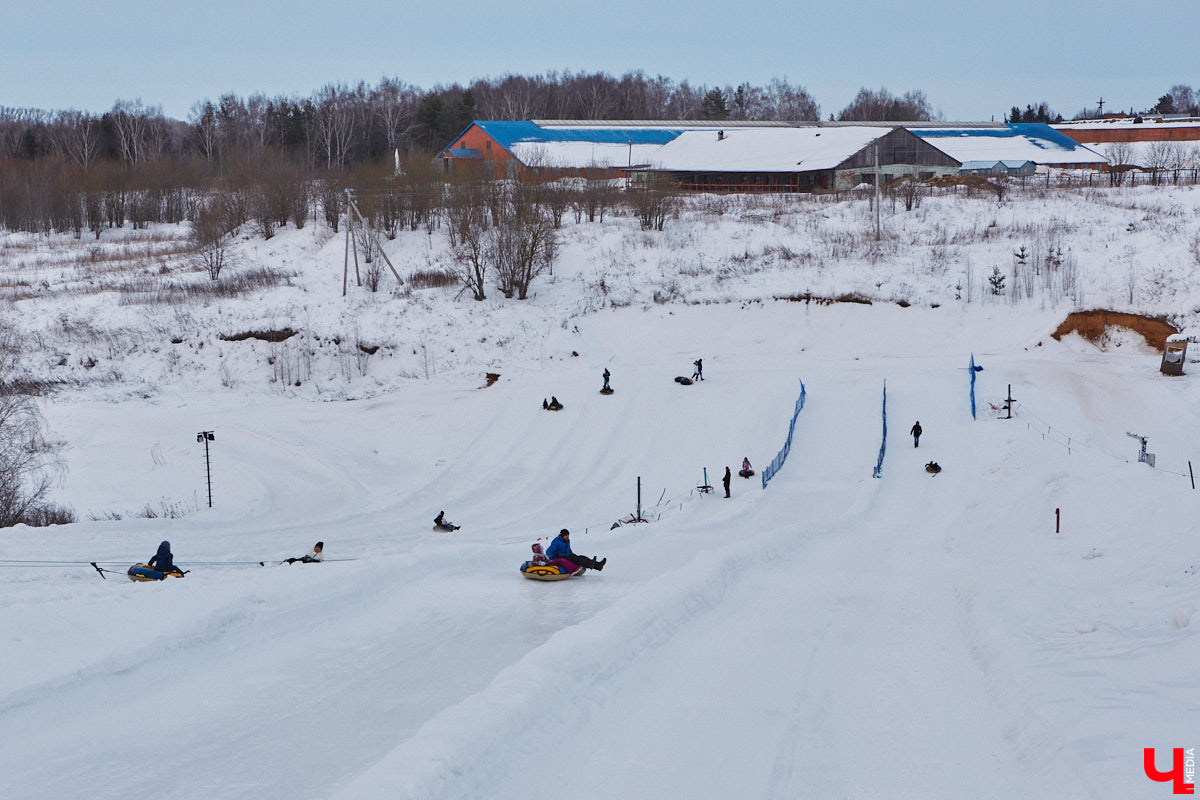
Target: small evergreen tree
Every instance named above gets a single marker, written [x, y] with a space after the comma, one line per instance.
[996, 279]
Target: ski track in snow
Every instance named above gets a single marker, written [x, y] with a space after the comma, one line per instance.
[832, 636]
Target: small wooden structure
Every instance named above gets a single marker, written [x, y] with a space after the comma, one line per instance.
[1174, 353]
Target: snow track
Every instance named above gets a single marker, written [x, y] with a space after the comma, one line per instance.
[835, 635]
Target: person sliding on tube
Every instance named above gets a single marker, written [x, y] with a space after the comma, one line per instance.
[440, 521]
[561, 548]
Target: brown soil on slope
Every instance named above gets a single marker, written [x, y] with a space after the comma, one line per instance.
[1092, 325]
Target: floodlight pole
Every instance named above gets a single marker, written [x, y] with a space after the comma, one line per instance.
[876, 149]
[206, 437]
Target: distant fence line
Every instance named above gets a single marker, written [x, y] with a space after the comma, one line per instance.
[777, 462]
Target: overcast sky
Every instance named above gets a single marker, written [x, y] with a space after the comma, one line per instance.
[974, 60]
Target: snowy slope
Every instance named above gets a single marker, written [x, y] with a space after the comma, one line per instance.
[831, 636]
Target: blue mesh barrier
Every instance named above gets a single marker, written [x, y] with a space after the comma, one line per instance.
[973, 371]
[882, 445]
[777, 462]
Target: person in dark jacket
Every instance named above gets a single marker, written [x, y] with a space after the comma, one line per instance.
[314, 556]
[561, 548]
[725, 481]
[916, 433]
[163, 561]
[607, 375]
[698, 375]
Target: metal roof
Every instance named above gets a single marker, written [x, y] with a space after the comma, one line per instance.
[765, 150]
[1033, 141]
[507, 134]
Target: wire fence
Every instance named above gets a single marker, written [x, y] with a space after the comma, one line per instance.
[777, 462]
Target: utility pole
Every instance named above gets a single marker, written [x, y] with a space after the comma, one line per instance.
[876, 150]
[1100, 103]
[352, 212]
[206, 437]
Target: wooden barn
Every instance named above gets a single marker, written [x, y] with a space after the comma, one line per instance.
[807, 158]
[1018, 142]
[554, 149]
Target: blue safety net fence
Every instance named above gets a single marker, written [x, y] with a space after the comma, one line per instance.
[973, 371]
[878, 473]
[777, 462]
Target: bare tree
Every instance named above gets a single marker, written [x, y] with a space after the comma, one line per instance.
[468, 231]
[653, 200]
[524, 245]
[27, 460]
[76, 136]
[392, 104]
[872, 106]
[203, 118]
[213, 225]
[1162, 156]
[787, 102]
[133, 123]
[1121, 159]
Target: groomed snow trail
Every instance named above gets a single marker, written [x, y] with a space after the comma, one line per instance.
[835, 635]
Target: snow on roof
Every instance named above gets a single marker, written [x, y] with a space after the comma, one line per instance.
[1128, 122]
[577, 146]
[1034, 142]
[764, 149]
[582, 154]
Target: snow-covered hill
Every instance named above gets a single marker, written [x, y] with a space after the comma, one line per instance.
[831, 635]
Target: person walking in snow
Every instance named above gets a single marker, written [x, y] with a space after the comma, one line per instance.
[916, 433]
[698, 374]
[606, 377]
[163, 560]
[726, 480]
[561, 548]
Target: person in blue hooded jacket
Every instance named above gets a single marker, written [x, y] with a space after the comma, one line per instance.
[561, 548]
[163, 561]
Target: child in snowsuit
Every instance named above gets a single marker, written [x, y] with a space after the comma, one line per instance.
[163, 560]
[606, 377]
[539, 558]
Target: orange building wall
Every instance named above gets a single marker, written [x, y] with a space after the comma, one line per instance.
[475, 139]
[1147, 132]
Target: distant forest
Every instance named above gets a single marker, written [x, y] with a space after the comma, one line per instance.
[145, 165]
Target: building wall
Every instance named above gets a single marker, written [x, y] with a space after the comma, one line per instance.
[845, 179]
[1145, 132]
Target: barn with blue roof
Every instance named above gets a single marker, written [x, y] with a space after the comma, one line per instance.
[602, 149]
[1018, 142]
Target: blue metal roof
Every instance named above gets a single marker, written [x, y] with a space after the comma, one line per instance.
[1034, 131]
[506, 134]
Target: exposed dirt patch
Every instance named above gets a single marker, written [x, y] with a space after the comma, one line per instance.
[1094, 325]
[266, 336]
